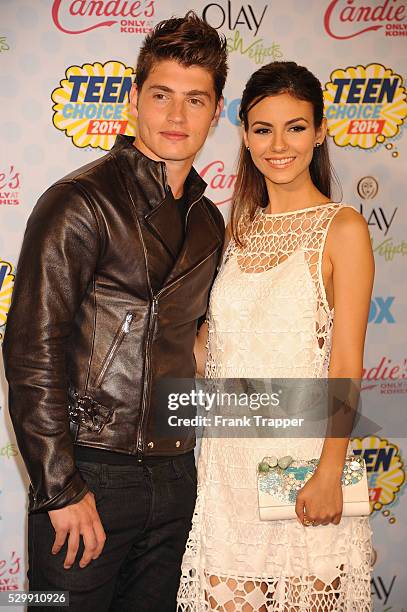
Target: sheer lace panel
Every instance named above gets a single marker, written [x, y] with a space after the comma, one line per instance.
[280, 264]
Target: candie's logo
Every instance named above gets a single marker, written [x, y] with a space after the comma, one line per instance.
[346, 19]
[386, 376]
[91, 104]
[365, 105]
[79, 16]
[219, 181]
[6, 290]
[10, 575]
[9, 186]
[385, 469]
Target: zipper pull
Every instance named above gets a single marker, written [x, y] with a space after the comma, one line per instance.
[127, 323]
[155, 307]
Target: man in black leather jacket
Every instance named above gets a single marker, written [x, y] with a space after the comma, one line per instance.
[114, 273]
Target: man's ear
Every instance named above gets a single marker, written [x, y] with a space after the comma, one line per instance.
[218, 110]
[134, 100]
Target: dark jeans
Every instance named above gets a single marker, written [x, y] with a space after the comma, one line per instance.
[146, 512]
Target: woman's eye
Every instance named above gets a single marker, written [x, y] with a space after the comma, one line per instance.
[262, 131]
[298, 128]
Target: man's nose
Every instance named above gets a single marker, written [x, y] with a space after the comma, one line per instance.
[176, 111]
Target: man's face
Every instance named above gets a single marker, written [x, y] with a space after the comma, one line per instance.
[174, 110]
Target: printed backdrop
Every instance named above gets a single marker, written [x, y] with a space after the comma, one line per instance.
[65, 73]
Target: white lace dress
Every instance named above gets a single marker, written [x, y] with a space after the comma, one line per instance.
[269, 317]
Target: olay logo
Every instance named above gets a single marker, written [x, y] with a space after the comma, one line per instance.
[232, 16]
[343, 16]
[131, 14]
[216, 177]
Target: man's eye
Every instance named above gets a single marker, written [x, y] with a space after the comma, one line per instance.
[160, 96]
[196, 101]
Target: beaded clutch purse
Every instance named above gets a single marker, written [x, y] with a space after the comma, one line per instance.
[279, 480]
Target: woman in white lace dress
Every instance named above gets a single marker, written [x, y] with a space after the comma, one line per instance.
[291, 300]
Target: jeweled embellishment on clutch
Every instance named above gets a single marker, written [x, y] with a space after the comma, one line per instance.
[285, 482]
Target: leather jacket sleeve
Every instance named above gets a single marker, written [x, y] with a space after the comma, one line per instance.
[57, 262]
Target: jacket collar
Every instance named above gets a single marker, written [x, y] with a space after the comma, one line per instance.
[154, 174]
[147, 178]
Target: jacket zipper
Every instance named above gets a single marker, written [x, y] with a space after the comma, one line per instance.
[153, 316]
[146, 387]
[123, 331]
[154, 312]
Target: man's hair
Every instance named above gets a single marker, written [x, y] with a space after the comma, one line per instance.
[188, 40]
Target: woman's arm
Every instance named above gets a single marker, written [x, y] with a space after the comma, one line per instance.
[200, 350]
[349, 254]
[349, 249]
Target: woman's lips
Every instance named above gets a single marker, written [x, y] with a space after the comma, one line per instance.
[282, 162]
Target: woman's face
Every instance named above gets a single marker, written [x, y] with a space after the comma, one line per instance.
[282, 136]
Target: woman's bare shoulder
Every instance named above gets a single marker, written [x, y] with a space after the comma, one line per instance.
[348, 239]
[348, 224]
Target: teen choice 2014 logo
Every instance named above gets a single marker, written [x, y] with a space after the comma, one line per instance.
[91, 104]
[364, 105]
[385, 470]
[6, 289]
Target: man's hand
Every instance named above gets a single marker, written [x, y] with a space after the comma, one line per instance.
[81, 519]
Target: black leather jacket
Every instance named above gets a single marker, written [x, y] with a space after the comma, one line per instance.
[103, 307]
